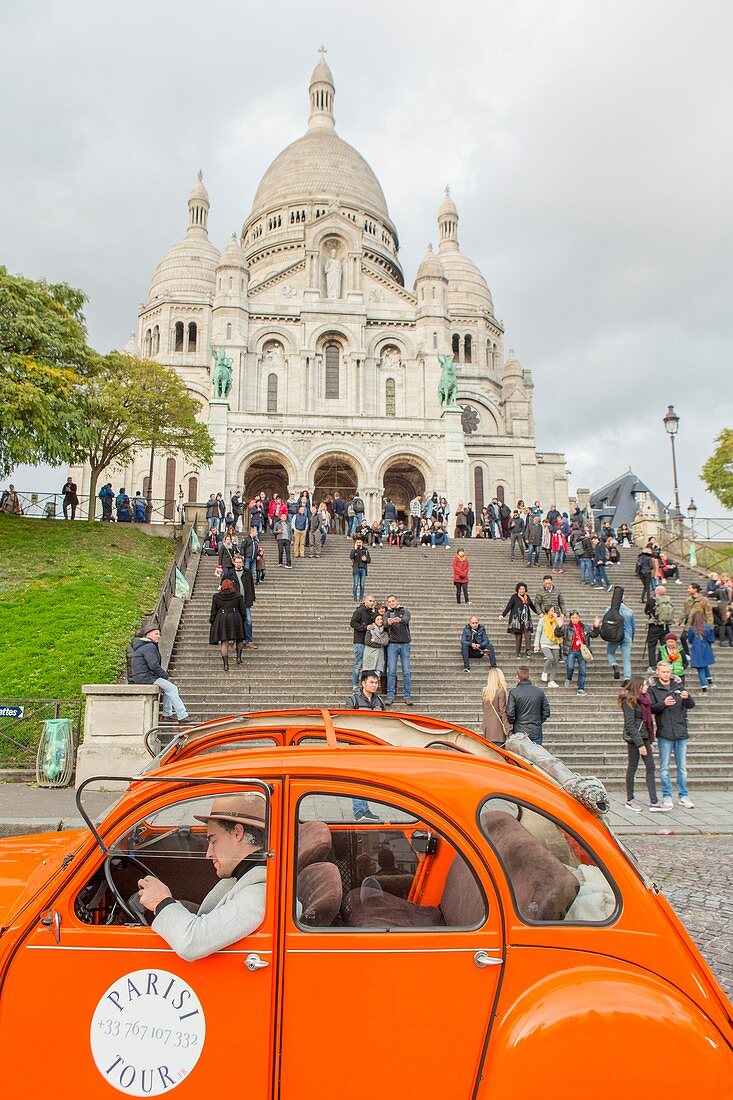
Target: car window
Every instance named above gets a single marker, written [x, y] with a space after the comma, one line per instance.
[553, 876]
[171, 844]
[372, 865]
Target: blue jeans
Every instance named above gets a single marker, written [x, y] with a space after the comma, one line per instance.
[360, 807]
[625, 647]
[558, 559]
[440, 540]
[171, 699]
[248, 624]
[358, 586]
[533, 555]
[587, 573]
[704, 675]
[398, 651]
[666, 748]
[602, 575]
[576, 657]
[358, 661]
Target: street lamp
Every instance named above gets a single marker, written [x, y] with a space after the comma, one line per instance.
[691, 513]
[671, 423]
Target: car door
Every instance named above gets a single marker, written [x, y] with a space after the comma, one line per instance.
[113, 1003]
[393, 951]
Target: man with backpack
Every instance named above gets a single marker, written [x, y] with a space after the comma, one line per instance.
[660, 613]
[618, 627]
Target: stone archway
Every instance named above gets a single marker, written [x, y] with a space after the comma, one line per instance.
[334, 474]
[402, 481]
[266, 473]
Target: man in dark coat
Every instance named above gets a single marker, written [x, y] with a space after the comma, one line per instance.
[243, 583]
[527, 707]
[71, 498]
[669, 705]
[362, 618]
[146, 668]
[475, 643]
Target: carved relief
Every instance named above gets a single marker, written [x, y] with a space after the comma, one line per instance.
[390, 360]
[470, 419]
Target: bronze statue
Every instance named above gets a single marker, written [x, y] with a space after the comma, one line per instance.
[221, 379]
[448, 385]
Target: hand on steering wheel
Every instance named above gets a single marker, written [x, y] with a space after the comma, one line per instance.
[130, 905]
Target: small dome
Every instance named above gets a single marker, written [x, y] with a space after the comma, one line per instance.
[322, 74]
[131, 347]
[466, 285]
[512, 364]
[198, 191]
[188, 271]
[447, 206]
[233, 256]
[431, 267]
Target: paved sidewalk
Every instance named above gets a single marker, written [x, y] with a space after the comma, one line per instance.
[28, 809]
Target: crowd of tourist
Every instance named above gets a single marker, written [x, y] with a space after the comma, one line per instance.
[541, 620]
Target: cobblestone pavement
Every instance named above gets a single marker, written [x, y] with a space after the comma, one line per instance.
[695, 874]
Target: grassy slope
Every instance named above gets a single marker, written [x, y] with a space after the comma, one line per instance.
[71, 596]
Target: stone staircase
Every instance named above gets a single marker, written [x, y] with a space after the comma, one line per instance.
[304, 655]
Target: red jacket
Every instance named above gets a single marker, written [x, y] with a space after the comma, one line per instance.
[460, 570]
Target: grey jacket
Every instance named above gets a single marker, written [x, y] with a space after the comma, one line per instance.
[233, 909]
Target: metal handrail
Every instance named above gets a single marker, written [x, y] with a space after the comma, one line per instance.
[180, 562]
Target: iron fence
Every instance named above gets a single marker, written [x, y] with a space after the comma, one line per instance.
[50, 506]
[21, 727]
[705, 543]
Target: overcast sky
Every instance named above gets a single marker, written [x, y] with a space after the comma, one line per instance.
[587, 145]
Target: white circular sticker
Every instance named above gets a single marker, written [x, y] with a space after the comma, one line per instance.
[147, 1032]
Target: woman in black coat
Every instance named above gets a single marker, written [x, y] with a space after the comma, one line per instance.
[520, 619]
[227, 621]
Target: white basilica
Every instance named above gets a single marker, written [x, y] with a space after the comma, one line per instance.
[335, 367]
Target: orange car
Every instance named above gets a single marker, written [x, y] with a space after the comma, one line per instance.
[439, 920]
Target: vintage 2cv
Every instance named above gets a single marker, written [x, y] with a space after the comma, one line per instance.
[442, 921]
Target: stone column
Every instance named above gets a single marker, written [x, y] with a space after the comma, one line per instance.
[116, 718]
[372, 497]
[215, 475]
[457, 465]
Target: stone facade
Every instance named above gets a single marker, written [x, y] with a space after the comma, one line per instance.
[335, 362]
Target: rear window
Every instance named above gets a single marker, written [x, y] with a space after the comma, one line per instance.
[553, 875]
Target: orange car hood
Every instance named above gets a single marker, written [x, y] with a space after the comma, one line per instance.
[27, 863]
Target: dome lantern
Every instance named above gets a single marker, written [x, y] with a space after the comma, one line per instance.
[198, 206]
[448, 223]
[322, 92]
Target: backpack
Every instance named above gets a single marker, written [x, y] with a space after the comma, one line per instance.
[129, 654]
[612, 624]
[358, 506]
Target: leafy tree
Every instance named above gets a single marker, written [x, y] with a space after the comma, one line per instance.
[717, 473]
[131, 404]
[43, 357]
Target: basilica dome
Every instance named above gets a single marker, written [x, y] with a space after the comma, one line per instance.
[466, 285]
[320, 166]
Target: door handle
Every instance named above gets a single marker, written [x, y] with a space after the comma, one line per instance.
[254, 962]
[52, 920]
[483, 958]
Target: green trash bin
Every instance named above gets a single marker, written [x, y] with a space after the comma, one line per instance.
[55, 759]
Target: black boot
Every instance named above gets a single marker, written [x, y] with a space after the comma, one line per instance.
[226, 663]
[239, 657]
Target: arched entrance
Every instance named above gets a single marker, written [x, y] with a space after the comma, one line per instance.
[268, 474]
[334, 474]
[403, 481]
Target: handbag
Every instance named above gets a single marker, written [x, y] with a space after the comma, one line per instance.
[585, 653]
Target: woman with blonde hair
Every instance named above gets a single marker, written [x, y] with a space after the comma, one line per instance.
[493, 700]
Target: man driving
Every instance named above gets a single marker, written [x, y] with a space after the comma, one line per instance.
[235, 831]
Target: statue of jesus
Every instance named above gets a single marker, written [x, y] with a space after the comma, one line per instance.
[332, 269]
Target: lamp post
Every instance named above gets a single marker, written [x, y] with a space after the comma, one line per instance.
[671, 423]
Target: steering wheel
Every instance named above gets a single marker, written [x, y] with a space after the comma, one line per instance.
[131, 906]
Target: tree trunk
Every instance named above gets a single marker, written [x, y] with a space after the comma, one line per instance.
[94, 477]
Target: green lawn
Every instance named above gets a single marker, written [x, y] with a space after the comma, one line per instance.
[71, 596]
